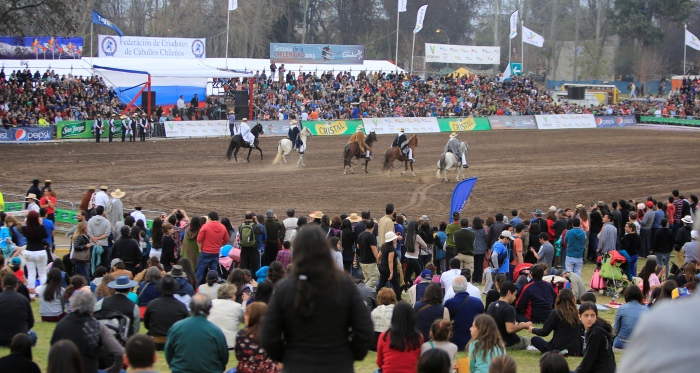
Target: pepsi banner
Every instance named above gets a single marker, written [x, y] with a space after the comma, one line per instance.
[40, 48]
[610, 121]
[329, 54]
[26, 134]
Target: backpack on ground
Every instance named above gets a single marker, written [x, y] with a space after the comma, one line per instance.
[248, 238]
[117, 323]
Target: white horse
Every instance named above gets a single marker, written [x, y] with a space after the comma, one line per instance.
[449, 160]
[284, 148]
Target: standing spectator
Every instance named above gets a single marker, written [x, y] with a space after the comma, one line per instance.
[386, 223]
[195, 344]
[227, 314]
[100, 198]
[251, 357]
[381, 316]
[389, 264]
[662, 245]
[450, 231]
[115, 209]
[480, 248]
[32, 204]
[646, 223]
[16, 314]
[462, 309]
[575, 248]
[210, 239]
[164, 311]
[20, 357]
[80, 250]
[684, 236]
[499, 260]
[398, 348]
[275, 234]
[505, 315]
[347, 241]
[631, 243]
[140, 354]
[485, 345]
[546, 253]
[628, 315]
[608, 235]
[368, 254]
[595, 226]
[35, 252]
[99, 231]
[249, 231]
[189, 248]
[128, 250]
[138, 215]
[495, 230]
[48, 202]
[307, 322]
[429, 308]
[464, 245]
[34, 189]
[565, 325]
[414, 245]
[598, 354]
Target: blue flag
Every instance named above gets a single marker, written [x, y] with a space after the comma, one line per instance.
[461, 194]
[97, 18]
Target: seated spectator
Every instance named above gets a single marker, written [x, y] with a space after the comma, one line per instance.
[52, 304]
[598, 354]
[429, 309]
[99, 272]
[20, 357]
[102, 291]
[152, 262]
[448, 276]
[185, 292]
[164, 311]
[494, 294]
[486, 344]
[434, 360]
[415, 293]
[119, 269]
[120, 302]
[440, 333]
[140, 354]
[251, 357]
[211, 287]
[536, 299]
[398, 348]
[578, 287]
[471, 289]
[628, 315]
[505, 316]
[553, 362]
[503, 364]
[649, 278]
[565, 325]
[16, 314]
[64, 356]
[147, 289]
[381, 316]
[462, 309]
[226, 313]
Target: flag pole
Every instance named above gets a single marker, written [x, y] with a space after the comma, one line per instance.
[398, 16]
[413, 51]
[685, 46]
[522, 48]
[228, 21]
[92, 26]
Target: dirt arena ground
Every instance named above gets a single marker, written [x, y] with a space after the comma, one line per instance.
[516, 169]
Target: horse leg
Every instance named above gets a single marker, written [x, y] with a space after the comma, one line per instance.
[235, 154]
[366, 162]
[249, 150]
[405, 163]
[261, 154]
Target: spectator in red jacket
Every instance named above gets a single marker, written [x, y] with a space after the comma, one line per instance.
[536, 300]
[212, 236]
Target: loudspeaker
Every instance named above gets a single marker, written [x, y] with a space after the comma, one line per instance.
[241, 112]
[576, 93]
[241, 98]
[144, 98]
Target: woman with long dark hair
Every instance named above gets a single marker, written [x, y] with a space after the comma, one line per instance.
[535, 244]
[598, 354]
[430, 308]
[565, 325]
[64, 357]
[35, 252]
[309, 315]
[628, 315]
[480, 248]
[414, 243]
[275, 272]
[426, 254]
[347, 241]
[243, 288]
[52, 304]
[631, 243]
[649, 278]
[398, 348]
[156, 239]
[190, 250]
[226, 222]
[388, 264]
[251, 357]
[20, 357]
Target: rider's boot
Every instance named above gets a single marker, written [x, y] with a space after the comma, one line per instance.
[367, 155]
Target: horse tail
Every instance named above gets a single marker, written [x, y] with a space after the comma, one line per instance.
[231, 148]
[278, 158]
[387, 160]
[441, 166]
[346, 155]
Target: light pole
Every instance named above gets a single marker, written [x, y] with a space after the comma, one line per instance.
[448, 40]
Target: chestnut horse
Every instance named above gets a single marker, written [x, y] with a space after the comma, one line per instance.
[353, 151]
[395, 153]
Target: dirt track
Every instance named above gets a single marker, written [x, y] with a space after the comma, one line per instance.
[516, 169]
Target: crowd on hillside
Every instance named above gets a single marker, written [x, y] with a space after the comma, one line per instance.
[35, 99]
[301, 283]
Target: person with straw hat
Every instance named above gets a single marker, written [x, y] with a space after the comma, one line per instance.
[389, 263]
[112, 126]
[98, 127]
[359, 138]
[454, 146]
[293, 133]
[115, 209]
[246, 134]
[401, 142]
[126, 126]
[232, 122]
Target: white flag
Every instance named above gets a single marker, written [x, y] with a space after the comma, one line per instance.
[419, 19]
[402, 5]
[514, 24]
[692, 40]
[232, 5]
[532, 37]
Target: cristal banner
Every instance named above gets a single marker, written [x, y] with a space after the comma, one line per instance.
[317, 53]
[471, 55]
[40, 48]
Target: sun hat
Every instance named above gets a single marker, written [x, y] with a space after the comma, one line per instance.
[424, 218]
[390, 236]
[354, 218]
[426, 275]
[167, 285]
[578, 206]
[640, 206]
[316, 215]
[117, 193]
[114, 262]
[30, 196]
[359, 127]
[122, 117]
[537, 212]
[507, 234]
[553, 208]
[687, 219]
[600, 203]
[103, 187]
[91, 187]
[122, 282]
[177, 272]
[47, 181]
[453, 135]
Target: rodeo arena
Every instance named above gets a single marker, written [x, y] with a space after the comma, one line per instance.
[320, 212]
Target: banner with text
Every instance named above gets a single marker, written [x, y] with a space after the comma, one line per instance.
[443, 53]
[382, 126]
[73, 129]
[507, 122]
[662, 120]
[329, 54]
[606, 121]
[198, 128]
[565, 121]
[464, 124]
[141, 46]
[332, 127]
[40, 48]
[275, 128]
[26, 134]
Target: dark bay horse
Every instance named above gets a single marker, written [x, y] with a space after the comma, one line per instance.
[394, 154]
[237, 143]
[352, 150]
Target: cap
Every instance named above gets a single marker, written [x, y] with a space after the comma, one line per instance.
[426, 275]
[212, 275]
[650, 204]
[115, 261]
[507, 234]
[16, 261]
[600, 203]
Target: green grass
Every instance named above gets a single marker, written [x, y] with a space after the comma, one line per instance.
[528, 361]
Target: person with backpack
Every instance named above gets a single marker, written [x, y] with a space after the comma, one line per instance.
[212, 236]
[123, 306]
[249, 231]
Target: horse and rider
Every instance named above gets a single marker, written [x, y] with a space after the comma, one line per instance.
[401, 150]
[359, 146]
[455, 156]
[244, 137]
[359, 138]
[454, 146]
[297, 139]
[402, 143]
[293, 135]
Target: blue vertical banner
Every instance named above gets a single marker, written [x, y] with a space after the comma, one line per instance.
[461, 194]
[98, 19]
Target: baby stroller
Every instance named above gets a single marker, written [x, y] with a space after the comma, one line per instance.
[612, 270]
[228, 257]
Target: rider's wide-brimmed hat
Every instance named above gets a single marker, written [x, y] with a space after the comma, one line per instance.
[354, 218]
[244, 120]
[453, 135]
[359, 127]
[293, 122]
[401, 129]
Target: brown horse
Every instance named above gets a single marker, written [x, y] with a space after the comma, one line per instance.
[394, 154]
[353, 151]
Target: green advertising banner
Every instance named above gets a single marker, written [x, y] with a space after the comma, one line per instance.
[661, 120]
[72, 129]
[332, 128]
[464, 124]
[13, 206]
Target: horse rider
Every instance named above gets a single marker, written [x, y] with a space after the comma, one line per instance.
[246, 134]
[359, 138]
[402, 143]
[293, 134]
[112, 126]
[454, 146]
[232, 122]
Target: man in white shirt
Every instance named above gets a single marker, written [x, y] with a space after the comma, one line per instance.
[101, 198]
[181, 104]
[245, 133]
[138, 215]
[448, 276]
[304, 116]
[31, 203]
[471, 289]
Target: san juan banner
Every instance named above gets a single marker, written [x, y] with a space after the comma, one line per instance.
[463, 124]
[606, 121]
[25, 134]
[661, 120]
[508, 122]
[472, 55]
[147, 47]
[565, 121]
[461, 194]
[382, 126]
[40, 48]
[331, 127]
[74, 129]
[329, 54]
[197, 128]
